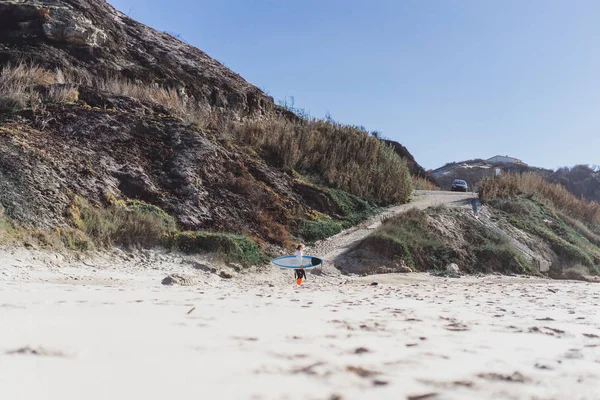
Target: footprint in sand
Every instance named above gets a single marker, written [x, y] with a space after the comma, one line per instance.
[38, 351]
[515, 377]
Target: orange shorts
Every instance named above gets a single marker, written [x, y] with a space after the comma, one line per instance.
[299, 281]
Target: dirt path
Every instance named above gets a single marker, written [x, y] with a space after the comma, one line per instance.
[334, 246]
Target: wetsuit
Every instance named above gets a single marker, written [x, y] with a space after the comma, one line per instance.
[300, 273]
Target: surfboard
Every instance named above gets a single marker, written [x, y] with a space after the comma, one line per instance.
[292, 262]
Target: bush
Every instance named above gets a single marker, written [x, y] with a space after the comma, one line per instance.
[423, 184]
[311, 231]
[231, 247]
[136, 224]
[570, 239]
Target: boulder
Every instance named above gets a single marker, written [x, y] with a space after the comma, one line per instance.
[67, 26]
[225, 275]
[177, 279]
[402, 268]
[452, 268]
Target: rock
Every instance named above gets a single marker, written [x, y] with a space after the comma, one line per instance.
[177, 279]
[401, 267]
[65, 25]
[374, 283]
[236, 267]
[201, 267]
[452, 268]
[225, 275]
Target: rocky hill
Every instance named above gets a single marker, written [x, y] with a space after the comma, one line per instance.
[89, 38]
[108, 126]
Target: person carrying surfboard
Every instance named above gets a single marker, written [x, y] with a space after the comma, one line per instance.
[300, 273]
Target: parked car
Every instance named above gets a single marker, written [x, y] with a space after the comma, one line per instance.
[458, 185]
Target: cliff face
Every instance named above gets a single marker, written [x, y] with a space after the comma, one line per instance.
[90, 39]
[94, 105]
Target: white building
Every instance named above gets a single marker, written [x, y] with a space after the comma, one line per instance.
[505, 160]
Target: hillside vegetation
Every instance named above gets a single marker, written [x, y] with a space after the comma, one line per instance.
[430, 240]
[569, 225]
[527, 223]
[196, 177]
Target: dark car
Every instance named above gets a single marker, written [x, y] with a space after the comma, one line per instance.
[458, 185]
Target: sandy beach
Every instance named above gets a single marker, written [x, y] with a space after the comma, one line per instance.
[115, 332]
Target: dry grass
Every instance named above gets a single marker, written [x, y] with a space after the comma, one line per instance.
[423, 184]
[17, 85]
[510, 185]
[62, 94]
[20, 87]
[167, 97]
[345, 156]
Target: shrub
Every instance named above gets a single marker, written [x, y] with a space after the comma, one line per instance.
[17, 85]
[423, 184]
[311, 231]
[136, 224]
[231, 247]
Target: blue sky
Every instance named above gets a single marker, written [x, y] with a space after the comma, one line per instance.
[449, 79]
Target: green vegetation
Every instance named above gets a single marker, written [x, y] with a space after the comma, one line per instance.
[311, 231]
[407, 238]
[412, 238]
[350, 210]
[138, 224]
[493, 253]
[570, 225]
[572, 241]
[131, 224]
[354, 209]
[230, 247]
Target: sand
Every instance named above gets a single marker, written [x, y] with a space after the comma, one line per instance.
[106, 328]
[333, 338]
